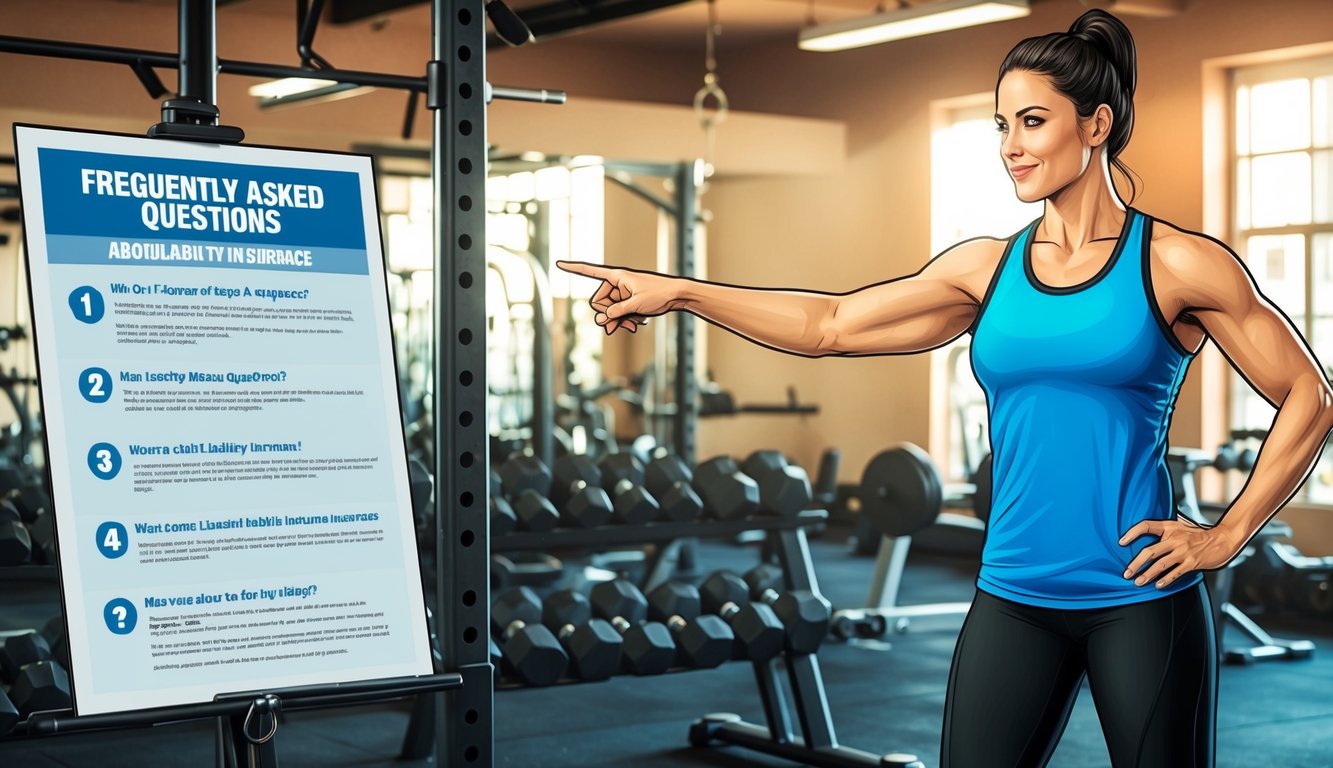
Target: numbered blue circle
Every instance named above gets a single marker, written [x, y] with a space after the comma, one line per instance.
[95, 385]
[104, 460]
[87, 304]
[112, 540]
[120, 616]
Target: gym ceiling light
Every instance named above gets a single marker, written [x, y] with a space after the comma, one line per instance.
[909, 21]
[292, 90]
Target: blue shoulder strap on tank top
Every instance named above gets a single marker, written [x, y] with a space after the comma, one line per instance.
[1080, 382]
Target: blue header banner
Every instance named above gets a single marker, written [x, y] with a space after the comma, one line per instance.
[132, 197]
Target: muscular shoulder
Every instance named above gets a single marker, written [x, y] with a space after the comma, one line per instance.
[1195, 270]
[968, 265]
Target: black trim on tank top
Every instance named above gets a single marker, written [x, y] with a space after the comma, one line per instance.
[995, 276]
[1151, 295]
[1130, 213]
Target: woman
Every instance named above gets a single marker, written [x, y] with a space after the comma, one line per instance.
[1084, 324]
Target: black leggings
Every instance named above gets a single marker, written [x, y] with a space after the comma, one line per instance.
[1017, 669]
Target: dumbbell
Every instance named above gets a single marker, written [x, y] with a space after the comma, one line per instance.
[702, 641]
[648, 648]
[20, 650]
[784, 489]
[15, 541]
[40, 686]
[28, 498]
[726, 492]
[43, 533]
[503, 518]
[534, 511]
[521, 472]
[758, 630]
[593, 645]
[622, 479]
[525, 482]
[577, 491]
[529, 652]
[667, 478]
[805, 616]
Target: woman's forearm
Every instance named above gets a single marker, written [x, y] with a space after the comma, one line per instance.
[792, 321]
[1289, 453]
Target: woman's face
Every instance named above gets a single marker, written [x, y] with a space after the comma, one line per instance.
[1043, 143]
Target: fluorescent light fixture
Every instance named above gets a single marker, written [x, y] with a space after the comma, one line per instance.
[292, 90]
[917, 20]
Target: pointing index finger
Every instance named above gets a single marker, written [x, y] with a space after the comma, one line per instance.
[595, 271]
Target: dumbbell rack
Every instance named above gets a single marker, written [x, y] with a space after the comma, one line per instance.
[817, 742]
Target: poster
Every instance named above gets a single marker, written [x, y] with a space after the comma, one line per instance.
[222, 419]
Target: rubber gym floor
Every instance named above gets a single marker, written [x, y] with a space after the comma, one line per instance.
[883, 699]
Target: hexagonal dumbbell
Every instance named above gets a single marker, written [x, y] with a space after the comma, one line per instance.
[515, 604]
[758, 630]
[593, 645]
[20, 650]
[668, 479]
[726, 492]
[529, 652]
[535, 512]
[15, 541]
[521, 472]
[764, 576]
[570, 469]
[620, 466]
[503, 518]
[577, 492]
[784, 489]
[805, 616]
[702, 642]
[633, 504]
[41, 686]
[648, 647]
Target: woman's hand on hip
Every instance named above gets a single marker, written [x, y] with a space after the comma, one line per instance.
[1182, 547]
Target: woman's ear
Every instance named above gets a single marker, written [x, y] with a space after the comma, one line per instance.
[1098, 127]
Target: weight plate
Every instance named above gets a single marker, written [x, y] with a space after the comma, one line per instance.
[901, 491]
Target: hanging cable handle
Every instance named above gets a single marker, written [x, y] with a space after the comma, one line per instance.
[710, 86]
[709, 121]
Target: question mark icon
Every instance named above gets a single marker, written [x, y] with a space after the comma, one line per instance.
[120, 616]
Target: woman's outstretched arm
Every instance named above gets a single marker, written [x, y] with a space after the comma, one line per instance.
[909, 314]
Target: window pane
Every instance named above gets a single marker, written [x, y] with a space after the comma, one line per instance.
[1242, 122]
[1243, 194]
[1323, 186]
[1321, 263]
[1322, 108]
[1280, 190]
[1278, 265]
[1280, 116]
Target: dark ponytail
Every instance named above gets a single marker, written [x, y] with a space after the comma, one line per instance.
[1093, 63]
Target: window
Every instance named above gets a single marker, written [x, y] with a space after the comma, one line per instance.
[971, 195]
[1282, 160]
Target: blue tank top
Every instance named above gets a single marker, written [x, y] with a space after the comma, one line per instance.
[1080, 382]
